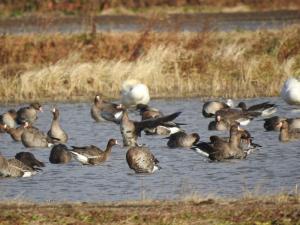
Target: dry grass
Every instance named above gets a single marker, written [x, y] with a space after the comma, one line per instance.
[279, 209]
[208, 64]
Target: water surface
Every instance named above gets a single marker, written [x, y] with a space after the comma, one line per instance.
[272, 169]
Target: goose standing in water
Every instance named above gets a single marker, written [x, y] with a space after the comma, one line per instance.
[14, 168]
[141, 160]
[265, 108]
[56, 132]
[60, 154]
[92, 155]
[29, 113]
[271, 124]
[133, 93]
[210, 108]
[220, 149]
[182, 139]
[8, 119]
[131, 130]
[29, 159]
[290, 91]
[15, 133]
[34, 138]
[287, 134]
[102, 110]
[166, 128]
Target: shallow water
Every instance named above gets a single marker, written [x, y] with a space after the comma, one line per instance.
[273, 168]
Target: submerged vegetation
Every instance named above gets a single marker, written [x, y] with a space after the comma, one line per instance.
[173, 64]
[280, 209]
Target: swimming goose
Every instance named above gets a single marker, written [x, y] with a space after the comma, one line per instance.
[287, 134]
[34, 138]
[166, 128]
[290, 91]
[218, 125]
[230, 116]
[210, 108]
[29, 113]
[56, 132]
[29, 159]
[14, 168]
[9, 119]
[60, 154]
[271, 124]
[141, 160]
[133, 93]
[15, 133]
[182, 139]
[102, 110]
[92, 155]
[131, 130]
[220, 149]
[265, 108]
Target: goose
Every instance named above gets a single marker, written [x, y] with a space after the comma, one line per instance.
[166, 128]
[56, 132]
[131, 130]
[182, 139]
[210, 108]
[34, 138]
[290, 91]
[133, 93]
[265, 108]
[14, 168]
[218, 125]
[141, 160]
[8, 119]
[271, 124]
[92, 155]
[220, 149]
[29, 113]
[102, 110]
[15, 133]
[287, 134]
[60, 154]
[29, 159]
[230, 116]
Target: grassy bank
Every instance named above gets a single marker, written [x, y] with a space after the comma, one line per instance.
[281, 209]
[13, 8]
[173, 64]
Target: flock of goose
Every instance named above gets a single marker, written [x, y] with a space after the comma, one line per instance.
[19, 124]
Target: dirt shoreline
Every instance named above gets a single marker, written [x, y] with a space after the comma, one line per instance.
[279, 209]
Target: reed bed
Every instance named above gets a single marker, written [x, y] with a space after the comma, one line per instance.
[208, 64]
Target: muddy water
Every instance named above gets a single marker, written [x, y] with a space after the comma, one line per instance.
[174, 22]
[272, 169]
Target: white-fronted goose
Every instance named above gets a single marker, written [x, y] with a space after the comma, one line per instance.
[34, 138]
[14, 168]
[8, 119]
[131, 130]
[287, 134]
[218, 125]
[56, 132]
[271, 124]
[29, 113]
[231, 116]
[102, 110]
[60, 154]
[210, 108]
[141, 160]
[182, 139]
[133, 93]
[290, 91]
[29, 159]
[265, 108]
[220, 149]
[92, 155]
[15, 133]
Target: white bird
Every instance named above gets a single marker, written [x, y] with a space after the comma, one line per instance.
[290, 91]
[134, 92]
